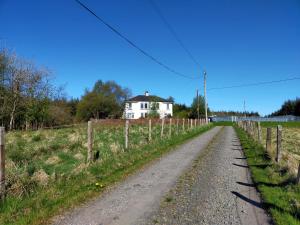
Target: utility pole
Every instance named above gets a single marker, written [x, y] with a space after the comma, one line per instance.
[198, 110]
[205, 99]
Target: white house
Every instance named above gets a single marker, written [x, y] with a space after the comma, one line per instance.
[140, 106]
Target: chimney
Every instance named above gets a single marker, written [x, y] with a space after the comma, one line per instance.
[146, 93]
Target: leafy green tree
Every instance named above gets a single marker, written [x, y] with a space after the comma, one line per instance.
[181, 111]
[194, 107]
[106, 100]
[153, 113]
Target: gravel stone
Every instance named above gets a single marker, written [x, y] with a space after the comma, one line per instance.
[217, 189]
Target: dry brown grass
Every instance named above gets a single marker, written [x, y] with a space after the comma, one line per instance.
[290, 146]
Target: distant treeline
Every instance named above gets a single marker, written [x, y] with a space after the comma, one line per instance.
[289, 107]
[235, 113]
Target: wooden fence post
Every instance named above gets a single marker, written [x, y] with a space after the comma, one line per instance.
[177, 126]
[258, 132]
[149, 137]
[298, 175]
[126, 133]
[183, 121]
[170, 128]
[278, 142]
[90, 157]
[248, 127]
[252, 130]
[2, 163]
[269, 139]
[162, 127]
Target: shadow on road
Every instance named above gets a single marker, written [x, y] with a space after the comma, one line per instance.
[241, 158]
[245, 184]
[240, 165]
[250, 201]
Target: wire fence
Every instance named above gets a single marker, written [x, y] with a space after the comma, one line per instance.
[41, 157]
[281, 143]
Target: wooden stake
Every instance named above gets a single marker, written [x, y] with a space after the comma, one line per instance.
[170, 128]
[177, 126]
[183, 121]
[150, 138]
[298, 175]
[278, 142]
[126, 133]
[2, 163]
[259, 132]
[269, 139]
[162, 128]
[90, 142]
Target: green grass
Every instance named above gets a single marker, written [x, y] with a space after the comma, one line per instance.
[60, 156]
[280, 195]
[290, 124]
[223, 123]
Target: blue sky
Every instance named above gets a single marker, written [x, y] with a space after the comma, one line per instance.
[235, 41]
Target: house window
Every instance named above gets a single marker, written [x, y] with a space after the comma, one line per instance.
[146, 106]
[146, 114]
[142, 105]
[132, 115]
[142, 115]
[129, 105]
[168, 106]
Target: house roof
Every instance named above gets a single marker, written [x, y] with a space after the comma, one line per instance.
[150, 98]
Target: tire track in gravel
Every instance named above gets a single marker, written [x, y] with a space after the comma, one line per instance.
[139, 194]
[217, 189]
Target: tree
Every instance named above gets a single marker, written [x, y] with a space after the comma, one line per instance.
[106, 100]
[289, 107]
[25, 92]
[194, 107]
[181, 111]
[153, 113]
[297, 107]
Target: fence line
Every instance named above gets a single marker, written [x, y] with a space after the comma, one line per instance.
[158, 122]
[248, 126]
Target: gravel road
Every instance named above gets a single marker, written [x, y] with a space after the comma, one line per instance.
[217, 189]
[140, 194]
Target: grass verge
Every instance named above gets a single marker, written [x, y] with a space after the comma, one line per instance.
[281, 196]
[39, 206]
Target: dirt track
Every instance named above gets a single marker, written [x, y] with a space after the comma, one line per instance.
[216, 190]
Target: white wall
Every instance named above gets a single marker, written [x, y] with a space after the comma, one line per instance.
[136, 110]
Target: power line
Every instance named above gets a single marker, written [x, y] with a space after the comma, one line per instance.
[172, 31]
[254, 84]
[132, 44]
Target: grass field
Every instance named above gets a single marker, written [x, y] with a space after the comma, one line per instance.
[47, 170]
[290, 142]
[291, 124]
[280, 195]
